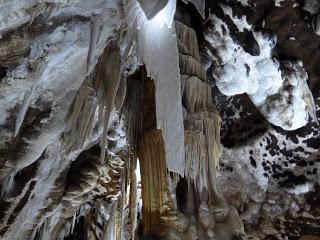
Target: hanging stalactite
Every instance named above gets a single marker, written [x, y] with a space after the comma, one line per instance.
[153, 179]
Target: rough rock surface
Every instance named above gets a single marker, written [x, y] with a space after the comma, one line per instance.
[57, 109]
[272, 174]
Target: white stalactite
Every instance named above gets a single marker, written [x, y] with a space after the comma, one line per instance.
[158, 48]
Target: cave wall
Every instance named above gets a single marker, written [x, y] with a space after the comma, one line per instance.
[66, 74]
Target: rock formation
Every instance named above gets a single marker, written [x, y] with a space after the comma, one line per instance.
[159, 119]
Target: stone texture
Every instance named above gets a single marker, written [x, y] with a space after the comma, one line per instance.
[47, 52]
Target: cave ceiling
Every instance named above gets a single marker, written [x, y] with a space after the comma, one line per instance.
[163, 119]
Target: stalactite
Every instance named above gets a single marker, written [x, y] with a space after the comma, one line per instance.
[167, 148]
[121, 93]
[212, 132]
[202, 122]
[81, 117]
[196, 159]
[202, 139]
[94, 37]
[14, 204]
[153, 179]
[134, 112]
[107, 77]
[99, 90]
[158, 49]
[87, 184]
[187, 39]
[134, 97]
[196, 94]
[36, 76]
[191, 66]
